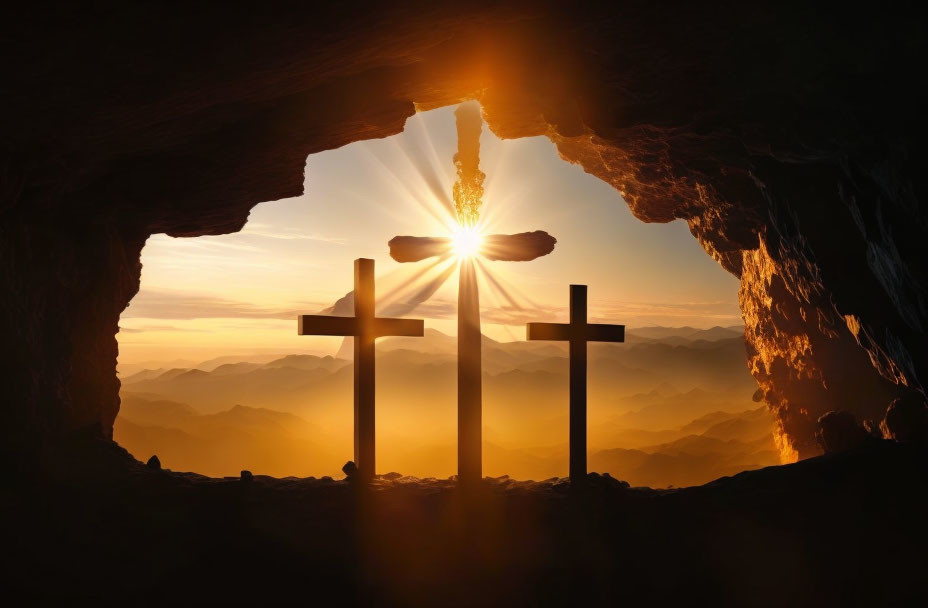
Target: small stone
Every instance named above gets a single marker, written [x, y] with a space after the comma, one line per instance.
[154, 463]
[247, 476]
[350, 469]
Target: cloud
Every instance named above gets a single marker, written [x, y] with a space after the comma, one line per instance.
[617, 312]
[435, 309]
[219, 245]
[283, 234]
[164, 304]
[715, 310]
[432, 309]
[144, 328]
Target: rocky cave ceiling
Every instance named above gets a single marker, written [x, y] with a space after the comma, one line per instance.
[787, 138]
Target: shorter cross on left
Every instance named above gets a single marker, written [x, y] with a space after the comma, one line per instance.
[365, 327]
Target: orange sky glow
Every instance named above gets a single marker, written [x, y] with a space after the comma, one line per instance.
[239, 293]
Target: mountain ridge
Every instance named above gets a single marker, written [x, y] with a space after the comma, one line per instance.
[645, 397]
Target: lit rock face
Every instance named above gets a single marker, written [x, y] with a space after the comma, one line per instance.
[792, 144]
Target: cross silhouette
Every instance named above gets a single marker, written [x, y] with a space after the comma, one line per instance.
[578, 332]
[521, 247]
[365, 327]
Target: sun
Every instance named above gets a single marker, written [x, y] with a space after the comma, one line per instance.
[466, 241]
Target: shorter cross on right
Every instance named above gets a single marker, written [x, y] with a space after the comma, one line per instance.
[578, 332]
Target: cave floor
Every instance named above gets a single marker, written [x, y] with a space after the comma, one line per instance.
[840, 530]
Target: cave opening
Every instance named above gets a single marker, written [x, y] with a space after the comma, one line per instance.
[788, 139]
[215, 380]
[818, 218]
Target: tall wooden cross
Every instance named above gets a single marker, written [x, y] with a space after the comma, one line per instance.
[578, 332]
[521, 247]
[365, 327]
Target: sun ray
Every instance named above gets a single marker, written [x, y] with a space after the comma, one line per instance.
[508, 287]
[397, 290]
[430, 180]
[424, 204]
[500, 205]
[496, 286]
[414, 165]
[399, 308]
[439, 181]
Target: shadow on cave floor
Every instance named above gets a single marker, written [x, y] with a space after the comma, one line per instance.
[843, 529]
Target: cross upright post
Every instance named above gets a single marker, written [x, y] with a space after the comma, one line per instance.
[470, 377]
[577, 333]
[365, 327]
[364, 372]
[521, 247]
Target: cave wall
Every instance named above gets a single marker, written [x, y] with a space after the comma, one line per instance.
[786, 137]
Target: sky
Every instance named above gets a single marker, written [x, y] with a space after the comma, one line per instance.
[239, 294]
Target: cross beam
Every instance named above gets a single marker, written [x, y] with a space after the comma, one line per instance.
[365, 327]
[578, 332]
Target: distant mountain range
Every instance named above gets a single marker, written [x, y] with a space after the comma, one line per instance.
[291, 414]
[684, 334]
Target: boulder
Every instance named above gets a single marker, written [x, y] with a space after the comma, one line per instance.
[839, 431]
[906, 419]
[350, 469]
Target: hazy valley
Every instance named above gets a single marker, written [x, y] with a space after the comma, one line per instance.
[671, 406]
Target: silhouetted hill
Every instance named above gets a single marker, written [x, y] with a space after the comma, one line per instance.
[146, 409]
[433, 342]
[234, 368]
[696, 458]
[687, 333]
[753, 423]
[219, 444]
[306, 362]
[667, 411]
[615, 370]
